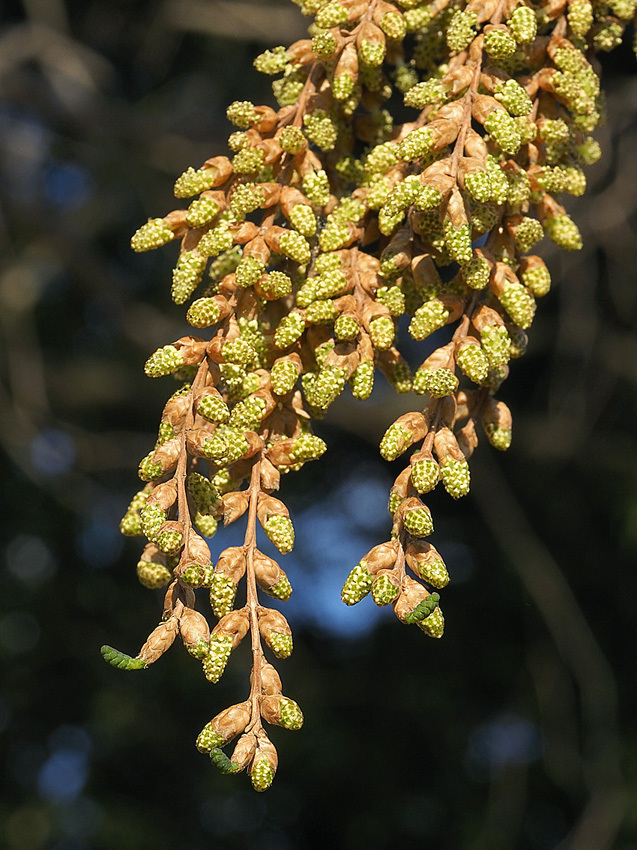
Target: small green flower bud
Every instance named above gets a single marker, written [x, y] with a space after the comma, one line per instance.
[170, 542]
[208, 739]
[320, 129]
[455, 477]
[382, 332]
[120, 660]
[222, 594]
[215, 241]
[523, 25]
[289, 329]
[425, 474]
[163, 362]
[292, 140]
[428, 318]
[478, 184]
[458, 242]
[201, 211]
[187, 275]
[357, 584]
[261, 772]
[434, 624]
[322, 312]
[417, 19]
[333, 236]
[473, 362]
[151, 520]
[371, 53]
[393, 25]
[295, 246]
[193, 182]
[153, 575]
[519, 304]
[275, 285]
[302, 218]
[460, 31]
[281, 590]
[307, 447]
[148, 469]
[393, 298]
[511, 95]
[496, 344]
[130, 525]
[317, 188]
[396, 440]
[499, 43]
[291, 715]
[476, 273]
[504, 131]
[438, 382]
[193, 575]
[213, 408]
[538, 280]
[205, 524]
[203, 313]
[527, 233]
[362, 380]
[418, 521]
[589, 151]
[215, 662]
[346, 328]
[384, 590]
[153, 234]
[272, 61]
[424, 94]
[280, 644]
[324, 45]
[417, 143]
[519, 188]
[564, 232]
[500, 438]
[238, 351]
[248, 160]
[331, 15]
[242, 114]
[283, 377]
[280, 531]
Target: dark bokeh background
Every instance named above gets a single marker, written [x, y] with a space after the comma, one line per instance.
[517, 730]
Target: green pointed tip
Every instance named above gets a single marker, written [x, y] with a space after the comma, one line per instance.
[222, 762]
[120, 660]
[423, 609]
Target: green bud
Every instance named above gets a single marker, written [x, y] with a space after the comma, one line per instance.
[121, 660]
[418, 521]
[455, 477]
[280, 531]
[215, 662]
[384, 591]
[357, 585]
[153, 234]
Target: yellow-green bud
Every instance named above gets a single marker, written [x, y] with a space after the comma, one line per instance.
[203, 313]
[357, 584]
[153, 234]
[456, 477]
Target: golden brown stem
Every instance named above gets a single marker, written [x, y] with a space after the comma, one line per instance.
[252, 598]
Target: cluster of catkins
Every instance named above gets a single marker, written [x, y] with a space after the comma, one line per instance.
[298, 254]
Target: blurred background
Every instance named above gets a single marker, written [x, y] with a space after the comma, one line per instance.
[517, 729]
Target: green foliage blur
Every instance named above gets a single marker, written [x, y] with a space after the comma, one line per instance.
[517, 729]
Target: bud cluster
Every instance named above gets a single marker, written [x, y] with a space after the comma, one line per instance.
[301, 250]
